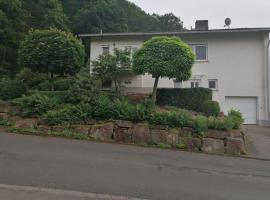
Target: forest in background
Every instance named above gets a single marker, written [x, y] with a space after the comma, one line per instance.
[17, 17]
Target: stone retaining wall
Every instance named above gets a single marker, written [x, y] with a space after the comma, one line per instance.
[213, 141]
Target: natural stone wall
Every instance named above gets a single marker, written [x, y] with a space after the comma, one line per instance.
[213, 142]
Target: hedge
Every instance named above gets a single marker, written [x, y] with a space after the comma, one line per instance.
[186, 98]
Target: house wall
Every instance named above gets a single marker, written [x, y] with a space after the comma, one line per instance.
[236, 60]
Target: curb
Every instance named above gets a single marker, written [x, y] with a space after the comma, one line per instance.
[58, 192]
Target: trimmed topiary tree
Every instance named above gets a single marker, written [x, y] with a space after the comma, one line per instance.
[52, 51]
[164, 57]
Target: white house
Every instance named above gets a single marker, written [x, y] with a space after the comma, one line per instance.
[232, 62]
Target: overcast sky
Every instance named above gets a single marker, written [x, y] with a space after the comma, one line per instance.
[244, 13]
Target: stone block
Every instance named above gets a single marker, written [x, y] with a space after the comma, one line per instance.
[141, 134]
[4, 116]
[44, 129]
[103, 132]
[187, 132]
[123, 135]
[26, 123]
[213, 146]
[60, 128]
[159, 127]
[192, 144]
[4, 107]
[217, 134]
[81, 129]
[172, 140]
[235, 134]
[158, 136]
[124, 124]
[235, 146]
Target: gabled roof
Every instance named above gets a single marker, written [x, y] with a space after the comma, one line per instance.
[235, 30]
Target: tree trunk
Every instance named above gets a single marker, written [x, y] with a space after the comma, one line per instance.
[52, 85]
[154, 94]
[115, 86]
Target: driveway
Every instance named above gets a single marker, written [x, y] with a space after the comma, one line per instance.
[259, 141]
[126, 171]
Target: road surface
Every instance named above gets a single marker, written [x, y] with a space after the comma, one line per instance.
[129, 171]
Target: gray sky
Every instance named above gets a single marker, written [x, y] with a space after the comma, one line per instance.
[244, 13]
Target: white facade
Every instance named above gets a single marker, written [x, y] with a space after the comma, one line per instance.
[236, 65]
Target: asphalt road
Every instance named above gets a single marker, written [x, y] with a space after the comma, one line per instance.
[129, 171]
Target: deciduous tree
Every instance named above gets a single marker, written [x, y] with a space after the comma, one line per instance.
[162, 57]
[113, 67]
[52, 51]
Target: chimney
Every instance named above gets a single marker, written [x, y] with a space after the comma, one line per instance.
[201, 25]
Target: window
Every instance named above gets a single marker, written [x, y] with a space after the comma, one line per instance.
[106, 84]
[194, 84]
[201, 52]
[131, 49]
[105, 50]
[212, 84]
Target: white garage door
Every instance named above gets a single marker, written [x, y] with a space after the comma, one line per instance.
[246, 105]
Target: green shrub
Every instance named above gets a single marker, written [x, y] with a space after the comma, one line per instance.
[84, 89]
[31, 79]
[62, 84]
[44, 86]
[200, 124]
[237, 118]
[159, 118]
[6, 122]
[234, 120]
[140, 113]
[125, 110]
[210, 108]
[102, 107]
[164, 146]
[122, 109]
[35, 104]
[70, 114]
[58, 97]
[181, 146]
[173, 119]
[11, 89]
[186, 98]
[225, 124]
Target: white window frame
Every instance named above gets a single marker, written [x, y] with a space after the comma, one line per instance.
[193, 46]
[216, 83]
[195, 81]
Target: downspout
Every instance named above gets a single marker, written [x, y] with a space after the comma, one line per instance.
[268, 81]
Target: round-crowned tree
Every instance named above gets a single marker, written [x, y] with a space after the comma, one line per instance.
[164, 57]
[52, 51]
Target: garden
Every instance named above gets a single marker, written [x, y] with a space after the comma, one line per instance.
[55, 95]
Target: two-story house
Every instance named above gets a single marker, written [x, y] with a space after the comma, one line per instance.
[231, 62]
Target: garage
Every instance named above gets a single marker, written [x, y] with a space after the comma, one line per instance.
[246, 105]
